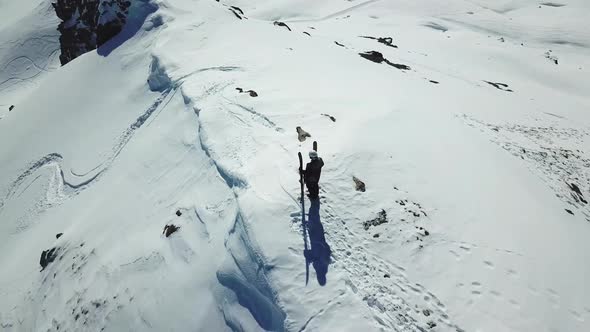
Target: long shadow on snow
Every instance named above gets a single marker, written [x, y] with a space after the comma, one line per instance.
[138, 13]
[319, 254]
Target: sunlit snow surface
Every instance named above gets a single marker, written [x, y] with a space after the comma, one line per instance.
[466, 120]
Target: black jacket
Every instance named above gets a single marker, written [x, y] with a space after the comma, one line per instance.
[313, 170]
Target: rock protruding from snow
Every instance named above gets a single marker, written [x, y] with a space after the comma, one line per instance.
[252, 93]
[302, 134]
[499, 86]
[359, 185]
[329, 116]
[281, 24]
[170, 229]
[377, 57]
[381, 219]
[47, 256]
[383, 40]
[87, 25]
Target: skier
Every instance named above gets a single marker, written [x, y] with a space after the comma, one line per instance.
[312, 174]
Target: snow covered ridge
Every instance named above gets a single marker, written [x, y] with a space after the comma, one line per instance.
[151, 184]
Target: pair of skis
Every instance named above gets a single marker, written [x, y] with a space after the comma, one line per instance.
[303, 222]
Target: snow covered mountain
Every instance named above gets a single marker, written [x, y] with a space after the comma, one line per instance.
[149, 172]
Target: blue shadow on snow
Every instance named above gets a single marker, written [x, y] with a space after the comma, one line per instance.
[138, 13]
[319, 254]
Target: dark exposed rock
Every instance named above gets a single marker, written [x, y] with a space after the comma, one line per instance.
[281, 24]
[235, 12]
[87, 25]
[376, 235]
[337, 43]
[426, 312]
[307, 33]
[551, 57]
[329, 116]
[359, 185]
[435, 82]
[500, 86]
[383, 40]
[577, 194]
[377, 57]
[302, 134]
[252, 93]
[11, 108]
[569, 211]
[178, 213]
[58, 235]
[374, 56]
[170, 229]
[386, 275]
[237, 9]
[47, 256]
[381, 219]
[398, 65]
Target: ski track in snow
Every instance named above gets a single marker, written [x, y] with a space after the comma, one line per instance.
[60, 188]
[37, 42]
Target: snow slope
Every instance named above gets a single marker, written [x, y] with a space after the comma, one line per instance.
[29, 48]
[476, 156]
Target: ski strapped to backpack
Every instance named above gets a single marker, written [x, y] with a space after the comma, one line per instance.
[303, 223]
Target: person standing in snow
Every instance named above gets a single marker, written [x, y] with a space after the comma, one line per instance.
[312, 173]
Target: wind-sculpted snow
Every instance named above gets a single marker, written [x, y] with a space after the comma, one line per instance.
[245, 275]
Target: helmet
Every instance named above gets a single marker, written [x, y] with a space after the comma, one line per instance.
[313, 155]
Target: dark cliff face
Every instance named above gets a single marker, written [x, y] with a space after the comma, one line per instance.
[88, 24]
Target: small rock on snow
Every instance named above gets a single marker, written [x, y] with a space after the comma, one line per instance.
[47, 256]
[359, 185]
[170, 229]
[302, 134]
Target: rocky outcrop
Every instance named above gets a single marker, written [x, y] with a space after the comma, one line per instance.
[88, 24]
[47, 257]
